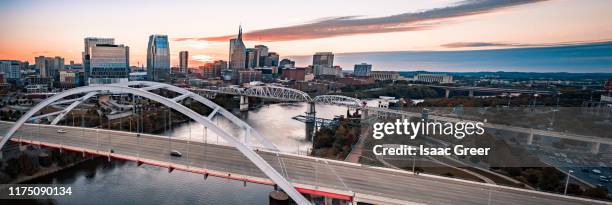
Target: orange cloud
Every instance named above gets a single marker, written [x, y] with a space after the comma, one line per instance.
[354, 25]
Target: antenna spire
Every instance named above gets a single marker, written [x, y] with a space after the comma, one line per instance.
[240, 32]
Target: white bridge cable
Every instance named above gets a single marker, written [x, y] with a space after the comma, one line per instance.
[337, 176]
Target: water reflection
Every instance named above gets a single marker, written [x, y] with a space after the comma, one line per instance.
[272, 121]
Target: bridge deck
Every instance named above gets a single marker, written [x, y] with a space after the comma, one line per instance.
[368, 184]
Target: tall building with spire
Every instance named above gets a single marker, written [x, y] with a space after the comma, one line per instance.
[237, 53]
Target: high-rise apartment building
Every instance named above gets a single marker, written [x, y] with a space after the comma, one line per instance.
[89, 42]
[109, 64]
[219, 66]
[237, 53]
[40, 64]
[323, 63]
[362, 70]
[56, 67]
[213, 69]
[158, 58]
[49, 67]
[183, 62]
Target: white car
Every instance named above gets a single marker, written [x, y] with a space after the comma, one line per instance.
[61, 131]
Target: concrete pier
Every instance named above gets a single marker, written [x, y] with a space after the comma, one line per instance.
[279, 198]
[244, 103]
[311, 122]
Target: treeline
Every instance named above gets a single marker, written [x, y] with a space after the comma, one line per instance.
[335, 141]
[568, 98]
[397, 91]
[29, 163]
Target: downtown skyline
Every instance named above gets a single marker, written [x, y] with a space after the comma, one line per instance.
[424, 26]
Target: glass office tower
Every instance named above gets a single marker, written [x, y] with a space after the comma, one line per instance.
[158, 58]
[90, 42]
[109, 64]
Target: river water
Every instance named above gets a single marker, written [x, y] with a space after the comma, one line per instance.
[121, 182]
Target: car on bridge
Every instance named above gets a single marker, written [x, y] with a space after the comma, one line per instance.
[61, 131]
[175, 153]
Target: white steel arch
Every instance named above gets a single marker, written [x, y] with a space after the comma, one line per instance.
[337, 100]
[216, 108]
[72, 106]
[62, 113]
[243, 148]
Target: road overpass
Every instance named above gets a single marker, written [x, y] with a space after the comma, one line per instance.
[472, 89]
[334, 179]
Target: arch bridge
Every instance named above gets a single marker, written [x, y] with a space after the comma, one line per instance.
[143, 89]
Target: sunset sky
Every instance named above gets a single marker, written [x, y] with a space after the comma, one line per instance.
[297, 28]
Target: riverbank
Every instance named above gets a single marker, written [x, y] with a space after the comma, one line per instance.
[24, 163]
[46, 171]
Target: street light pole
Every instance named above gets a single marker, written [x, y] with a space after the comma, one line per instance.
[569, 174]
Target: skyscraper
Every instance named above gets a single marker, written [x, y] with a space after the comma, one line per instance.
[183, 61]
[109, 64]
[89, 42]
[56, 67]
[263, 53]
[158, 58]
[237, 53]
[252, 58]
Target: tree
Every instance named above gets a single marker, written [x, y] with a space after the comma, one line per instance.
[12, 168]
[596, 193]
[550, 179]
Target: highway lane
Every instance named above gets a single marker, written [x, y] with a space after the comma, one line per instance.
[302, 170]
